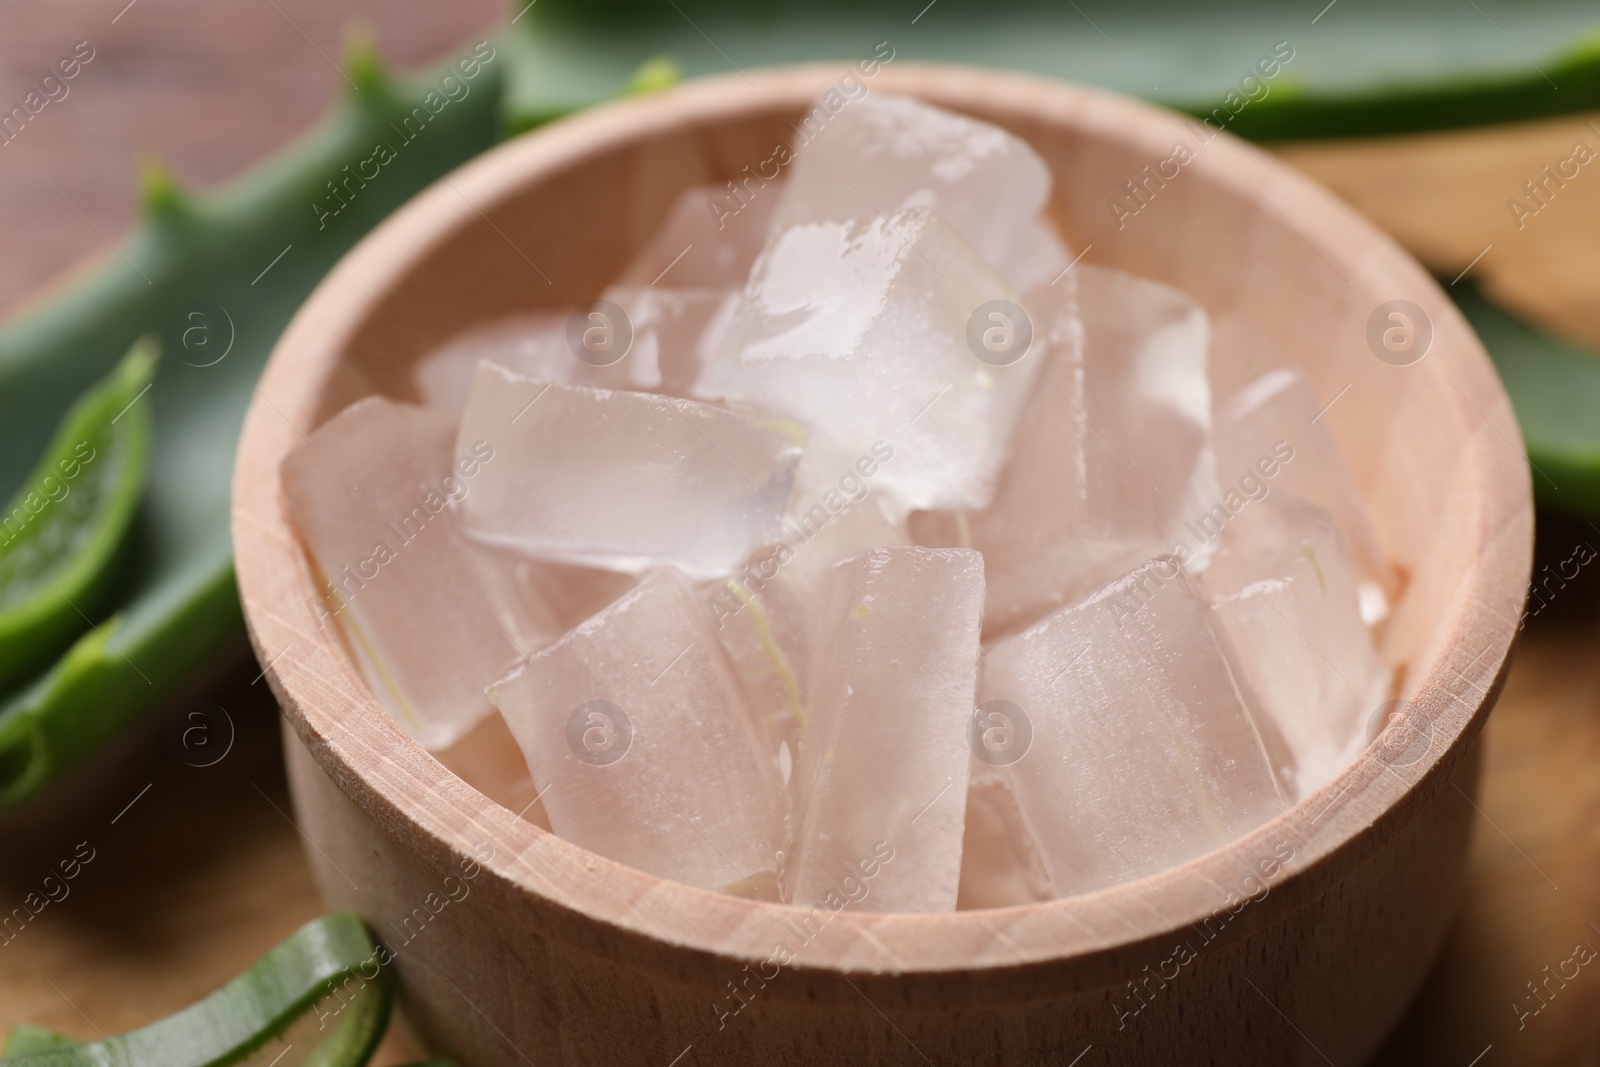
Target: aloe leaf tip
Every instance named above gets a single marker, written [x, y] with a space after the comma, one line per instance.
[363, 65]
[138, 367]
[654, 74]
[160, 193]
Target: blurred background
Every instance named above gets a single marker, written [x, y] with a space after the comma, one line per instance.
[197, 870]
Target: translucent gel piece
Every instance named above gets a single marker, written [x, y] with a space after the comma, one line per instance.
[1000, 863]
[815, 546]
[676, 334]
[884, 756]
[765, 613]
[1112, 461]
[488, 759]
[1036, 258]
[764, 629]
[1284, 588]
[882, 154]
[645, 750]
[1268, 433]
[431, 617]
[672, 335]
[624, 480]
[1240, 353]
[534, 344]
[1142, 754]
[859, 331]
[710, 238]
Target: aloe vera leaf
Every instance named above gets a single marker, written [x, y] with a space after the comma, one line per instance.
[115, 673]
[60, 532]
[1555, 389]
[1364, 67]
[327, 973]
[242, 259]
[332, 1050]
[1568, 80]
[23, 1039]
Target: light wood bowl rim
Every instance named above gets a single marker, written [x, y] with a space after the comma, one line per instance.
[575, 894]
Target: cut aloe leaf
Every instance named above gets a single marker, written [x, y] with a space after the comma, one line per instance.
[1555, 389]
[118, 671]
[1476, 93]
[217, 276]
[61, 530]
[24, 1039]
[1358, 67]
[319, 999]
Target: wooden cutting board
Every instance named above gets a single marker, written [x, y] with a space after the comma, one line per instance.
[195, 872]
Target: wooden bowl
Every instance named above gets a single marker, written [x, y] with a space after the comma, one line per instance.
[1301, 942]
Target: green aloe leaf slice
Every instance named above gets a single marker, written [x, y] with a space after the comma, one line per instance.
[319, 999]
[61, 530]
[24, 1039]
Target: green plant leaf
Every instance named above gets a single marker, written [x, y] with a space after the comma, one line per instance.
[1359, 67]
[1555, 389]
[319, 999]
[653, 75]
[23, 1039]
[217, 276]
[60, 532]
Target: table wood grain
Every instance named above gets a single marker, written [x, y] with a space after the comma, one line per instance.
[196, 871]
[1461, 200]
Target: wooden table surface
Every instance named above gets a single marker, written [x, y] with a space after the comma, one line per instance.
[197, 871]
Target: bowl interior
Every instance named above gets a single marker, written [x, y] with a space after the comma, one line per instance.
[549, 220]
